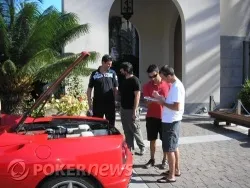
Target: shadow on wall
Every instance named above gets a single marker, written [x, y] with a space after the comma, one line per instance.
[239, 9]
[203, 46]
[202, 69]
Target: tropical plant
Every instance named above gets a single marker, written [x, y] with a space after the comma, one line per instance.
[31, 43]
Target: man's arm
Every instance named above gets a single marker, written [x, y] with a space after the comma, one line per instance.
[115, 84]
[175, 106]
[146, 94]
[89, 96]
[89, 91]
[161, 100]
[137, 93]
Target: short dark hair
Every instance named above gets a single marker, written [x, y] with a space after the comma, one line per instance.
[128, 67]
[167, 70]
[152, 68]
[107, 58]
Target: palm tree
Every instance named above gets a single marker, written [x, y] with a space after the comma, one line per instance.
[31, 44]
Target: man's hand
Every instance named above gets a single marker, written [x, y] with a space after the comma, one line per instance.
[136, 103]
[89, 96]
[160, 98]
[155, 94]
[134, 115]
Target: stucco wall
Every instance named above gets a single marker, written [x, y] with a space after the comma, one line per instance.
[235, 24]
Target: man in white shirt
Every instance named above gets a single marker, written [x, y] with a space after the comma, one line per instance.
[173, 109]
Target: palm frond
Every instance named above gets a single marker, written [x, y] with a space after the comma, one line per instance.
[41, 35]
[63, 38]
[66, 28]
[8, 9]
[40, 60]
[25, 20]
[49, 10]
[53, 71]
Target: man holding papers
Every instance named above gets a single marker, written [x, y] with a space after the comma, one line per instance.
[154, 113]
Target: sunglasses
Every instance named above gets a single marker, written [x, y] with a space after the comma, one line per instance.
[154, 76]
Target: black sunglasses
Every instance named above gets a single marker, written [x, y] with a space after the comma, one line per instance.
[154, 76]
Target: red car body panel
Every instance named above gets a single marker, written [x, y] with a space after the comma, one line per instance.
[29, 157]
[87, 153]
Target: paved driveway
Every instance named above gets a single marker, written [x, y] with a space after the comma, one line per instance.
[210, 156]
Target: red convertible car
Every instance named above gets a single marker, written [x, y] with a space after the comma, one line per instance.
[62, 151]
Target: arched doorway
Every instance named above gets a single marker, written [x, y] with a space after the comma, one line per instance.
[159, 37]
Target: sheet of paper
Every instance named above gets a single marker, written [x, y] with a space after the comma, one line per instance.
[150, 99]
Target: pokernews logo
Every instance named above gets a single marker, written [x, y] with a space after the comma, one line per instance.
[19, 171]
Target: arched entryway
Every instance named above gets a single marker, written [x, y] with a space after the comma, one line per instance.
[157, 26]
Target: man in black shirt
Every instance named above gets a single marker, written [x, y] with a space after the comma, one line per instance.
[105, 84]
[130, 92]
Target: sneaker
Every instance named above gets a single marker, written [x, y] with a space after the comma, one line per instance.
[164, 164]
[150, 163]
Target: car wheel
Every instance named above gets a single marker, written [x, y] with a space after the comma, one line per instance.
[69, 182]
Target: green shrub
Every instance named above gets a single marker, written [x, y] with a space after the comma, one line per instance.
[244, 94]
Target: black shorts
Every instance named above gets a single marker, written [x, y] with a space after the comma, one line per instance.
[153, 126]
[170, 133]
